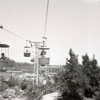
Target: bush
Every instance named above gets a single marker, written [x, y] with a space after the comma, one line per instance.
[8, 82]
[72, 80]
[3, 86]
[70, 96]
[24, 84]
[12, 82]
[34, 91]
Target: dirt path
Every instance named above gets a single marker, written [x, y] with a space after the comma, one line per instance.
[50, 96]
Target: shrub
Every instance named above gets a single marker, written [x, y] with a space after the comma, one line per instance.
[12, 82]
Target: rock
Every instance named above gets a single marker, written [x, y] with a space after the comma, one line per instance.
[18, 90]
[16, 99]
[9, 93]
[19, 99]
[1, 98]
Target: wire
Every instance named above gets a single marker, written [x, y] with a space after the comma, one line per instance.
[9, 8]
[45, 28]
[24, 20]
[13, 33]
[29, 14]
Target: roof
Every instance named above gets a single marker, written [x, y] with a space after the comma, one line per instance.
[44, 48]
[4, 46]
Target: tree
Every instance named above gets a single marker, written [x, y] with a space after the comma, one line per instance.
[76, 78]
[72, 81]
[92, 72]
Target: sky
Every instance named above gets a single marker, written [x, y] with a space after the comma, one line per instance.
[71, 24]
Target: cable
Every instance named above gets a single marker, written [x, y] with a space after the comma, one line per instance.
[13, 33]
[45, 28]
[29, 14]
[9, 8]
[24, 20]
[44, 37]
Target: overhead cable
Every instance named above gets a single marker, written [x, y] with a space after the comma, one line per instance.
[12, 33]
[45, 28]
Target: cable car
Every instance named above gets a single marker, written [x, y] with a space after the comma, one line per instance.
[32, 60]
[27, 52]
[44, 56]
[3, 58]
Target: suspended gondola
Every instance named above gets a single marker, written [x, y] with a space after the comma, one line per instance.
[4, 56]
[44, 58]
[42, 52]
[27, 52]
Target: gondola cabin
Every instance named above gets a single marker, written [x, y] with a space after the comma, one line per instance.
[44, 58]
[32, 60]
[27, 52]
[3, 58]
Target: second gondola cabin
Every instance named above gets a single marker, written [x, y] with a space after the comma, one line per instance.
[27, 52]
[44, 57]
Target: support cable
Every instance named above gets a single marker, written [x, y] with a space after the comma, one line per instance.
[13, 33]
[45, 28]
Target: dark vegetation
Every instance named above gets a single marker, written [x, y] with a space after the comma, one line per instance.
[78, 81]
[75, 81]
[30, 91]
[19, 66]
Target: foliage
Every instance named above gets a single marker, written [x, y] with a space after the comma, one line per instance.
[24, 84]
[11, 63]
[8, 83]
[12, 82]
[78, 80]
[33, 91]
[72, 80]
[92, 71]
[3, 85]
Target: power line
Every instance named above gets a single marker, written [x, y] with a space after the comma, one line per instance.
[24, 20]
[29, 14]
[13, 33]
[45, 28]
[9, 8]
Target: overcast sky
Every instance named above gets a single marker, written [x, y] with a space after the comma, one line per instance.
[71, 24]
